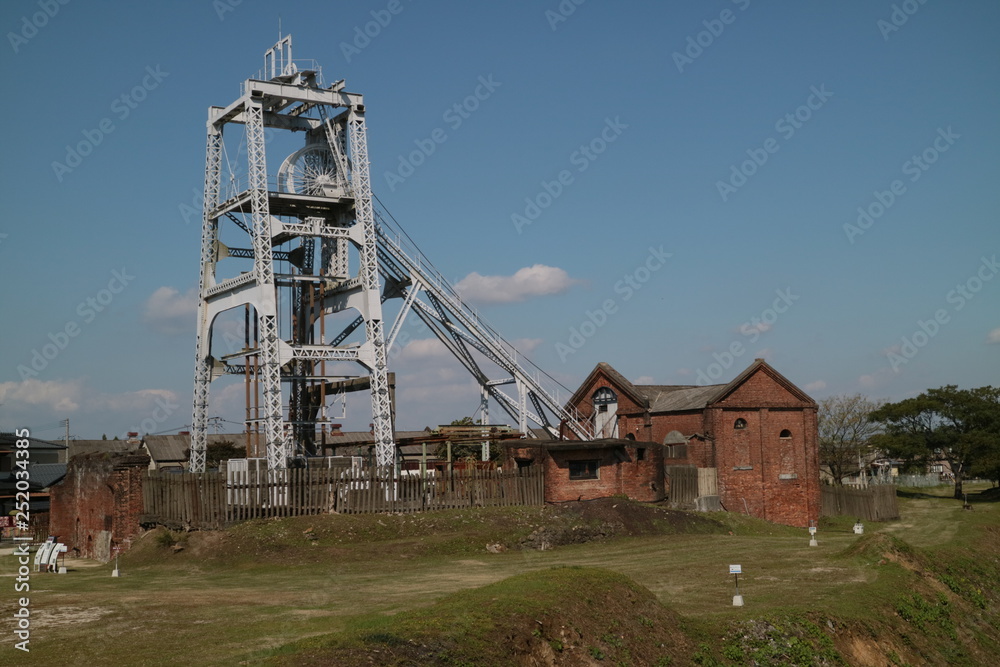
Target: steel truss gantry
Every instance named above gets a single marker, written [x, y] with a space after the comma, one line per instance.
[322, 197]
[321, 203]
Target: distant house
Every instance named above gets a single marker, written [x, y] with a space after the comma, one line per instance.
[46, 465]
[758, 432]
[172, 452]
[86, 447]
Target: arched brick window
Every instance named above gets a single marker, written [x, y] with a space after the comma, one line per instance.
[740, 424]
[785, 433]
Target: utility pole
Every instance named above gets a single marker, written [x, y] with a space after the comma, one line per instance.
[65, 422]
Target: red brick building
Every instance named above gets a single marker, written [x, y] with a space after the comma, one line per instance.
[98, 504]
[576, 470]
[759, 432]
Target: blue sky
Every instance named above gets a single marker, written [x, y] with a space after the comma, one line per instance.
[739, 138]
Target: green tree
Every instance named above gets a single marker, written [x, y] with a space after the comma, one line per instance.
[466, 450]
[959, 426]
[845, 433]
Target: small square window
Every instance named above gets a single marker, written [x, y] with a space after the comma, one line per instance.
[583, 469]
[640, 454]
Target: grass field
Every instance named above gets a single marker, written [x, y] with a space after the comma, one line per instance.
[422, 589]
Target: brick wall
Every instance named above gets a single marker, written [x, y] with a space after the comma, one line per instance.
[638, 479]
[772, 476]
[97, 504]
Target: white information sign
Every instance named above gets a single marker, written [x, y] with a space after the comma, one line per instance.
[735, 569]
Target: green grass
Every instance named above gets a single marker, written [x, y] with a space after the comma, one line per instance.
[922, 590]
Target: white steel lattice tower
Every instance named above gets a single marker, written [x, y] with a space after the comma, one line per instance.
[301, 227]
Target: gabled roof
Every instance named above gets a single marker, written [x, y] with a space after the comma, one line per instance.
[9, 441]
[761, 365]
[616, 379]
[40, 476]
[659, 398]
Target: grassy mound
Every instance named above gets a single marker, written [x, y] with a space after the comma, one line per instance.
[881, 548]
[562, 616]
[362, 537]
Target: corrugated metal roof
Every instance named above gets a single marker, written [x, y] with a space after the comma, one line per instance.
[84, 447]
[666, 398]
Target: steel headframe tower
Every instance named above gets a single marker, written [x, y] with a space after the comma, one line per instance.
[320, 203]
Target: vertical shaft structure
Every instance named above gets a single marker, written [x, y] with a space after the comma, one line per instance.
[321, 192]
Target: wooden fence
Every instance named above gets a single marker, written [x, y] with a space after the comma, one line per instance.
[687, 482]
[682, 483]
[214, 500]
[876, 503]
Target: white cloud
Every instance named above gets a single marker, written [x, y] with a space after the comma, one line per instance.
[643, 379]
[684, 372]
[34, 401]
[169, 312]
[56, 395]
[818, 385]
[993, 336]
[530, 281]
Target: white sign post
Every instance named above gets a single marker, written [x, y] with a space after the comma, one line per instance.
[736, 571]
[812, 537]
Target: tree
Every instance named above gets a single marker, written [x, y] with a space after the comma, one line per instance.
[959, 426]
[845, 433]
[216, 452]
[464, 449]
